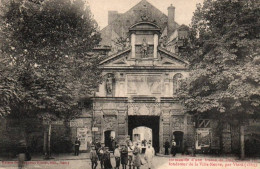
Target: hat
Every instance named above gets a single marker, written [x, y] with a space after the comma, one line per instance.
[123, 144]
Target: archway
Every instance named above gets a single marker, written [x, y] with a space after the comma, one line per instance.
[142, 134]
[178, 137]
[150, 124]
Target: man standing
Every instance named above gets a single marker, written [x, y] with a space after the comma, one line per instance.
[100, 153]
[166, 146]
[113, 144]
[77, 145]
[107, 160]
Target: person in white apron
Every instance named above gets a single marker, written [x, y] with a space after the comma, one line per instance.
[149, 154]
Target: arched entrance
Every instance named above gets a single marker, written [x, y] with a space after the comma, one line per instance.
[107, 135]
[142, 134]
[147, 124]
[178, 136]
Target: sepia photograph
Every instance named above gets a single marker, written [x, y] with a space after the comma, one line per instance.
[129, 84]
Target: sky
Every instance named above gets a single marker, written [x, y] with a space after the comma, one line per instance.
[183, 8]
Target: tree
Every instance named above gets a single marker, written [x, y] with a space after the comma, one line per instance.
[46, 60]
[224, 56]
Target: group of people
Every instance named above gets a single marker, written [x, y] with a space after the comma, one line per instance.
[125, 154]
[173, 147]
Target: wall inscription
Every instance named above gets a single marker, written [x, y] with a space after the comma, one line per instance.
[144, 84]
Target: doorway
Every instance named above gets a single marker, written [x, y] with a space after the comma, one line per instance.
[108, 134]
[151, 123]
[178, 136]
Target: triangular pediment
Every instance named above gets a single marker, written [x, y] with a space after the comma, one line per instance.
[119, 59]
[165, 60]
[169, 62]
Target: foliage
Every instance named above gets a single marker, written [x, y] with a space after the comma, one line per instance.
[224, 59]
[46, 64]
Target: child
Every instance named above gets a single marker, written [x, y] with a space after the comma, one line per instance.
[124, 156]
[93, 157]
[117, 157]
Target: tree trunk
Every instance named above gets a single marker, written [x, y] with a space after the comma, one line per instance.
[49, 141]
[220, 133]
[45, 136]
[242, 142]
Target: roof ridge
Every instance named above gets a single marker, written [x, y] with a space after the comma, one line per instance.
[131, 9]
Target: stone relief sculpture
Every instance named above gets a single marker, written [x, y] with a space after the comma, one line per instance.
[176, 82]
[121, 43]
[144, 48]
[127, 43]
[109, 122]
[163, 41]
[109, 84]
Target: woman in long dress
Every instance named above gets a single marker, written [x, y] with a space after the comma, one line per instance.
[149, 154]
[136, 157]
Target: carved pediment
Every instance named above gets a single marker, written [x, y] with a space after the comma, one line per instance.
[165, 59]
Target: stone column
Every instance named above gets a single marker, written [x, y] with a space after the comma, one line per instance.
[133, 44]
[155, 41]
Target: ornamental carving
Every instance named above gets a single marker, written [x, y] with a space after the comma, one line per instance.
[150, 109]
[176, 82]
[109, 122]
[178, 122]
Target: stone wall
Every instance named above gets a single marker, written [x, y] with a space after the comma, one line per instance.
[112, 114]
[13, 130]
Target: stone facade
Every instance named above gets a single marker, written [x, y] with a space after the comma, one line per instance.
[141, 82]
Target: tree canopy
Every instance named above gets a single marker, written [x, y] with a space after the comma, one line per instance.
[224, 59]
[46, 60]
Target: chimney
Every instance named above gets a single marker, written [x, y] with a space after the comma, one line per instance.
[112, 15]
[171, 26]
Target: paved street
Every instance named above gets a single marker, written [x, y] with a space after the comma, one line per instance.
[178, 162]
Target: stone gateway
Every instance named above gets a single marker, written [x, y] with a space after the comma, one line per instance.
[141, 84]
[141, 81]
